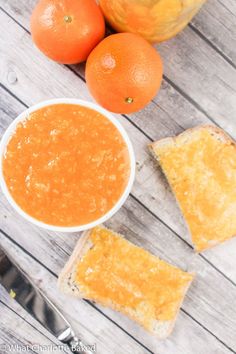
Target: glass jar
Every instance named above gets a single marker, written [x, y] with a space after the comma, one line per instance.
[155, 20]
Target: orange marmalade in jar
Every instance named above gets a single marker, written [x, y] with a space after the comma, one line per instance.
[155, 20]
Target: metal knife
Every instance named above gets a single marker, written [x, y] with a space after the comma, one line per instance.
[37, 304]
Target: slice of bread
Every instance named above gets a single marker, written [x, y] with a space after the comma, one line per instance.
[200, 166]
[113, 272]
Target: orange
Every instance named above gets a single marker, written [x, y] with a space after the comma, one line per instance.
[124, 73]
[67, 30]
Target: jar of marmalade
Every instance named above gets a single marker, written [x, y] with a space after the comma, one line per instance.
[155, 20]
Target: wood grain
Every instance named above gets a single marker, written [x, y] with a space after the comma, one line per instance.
[213, 80]
[217, 22]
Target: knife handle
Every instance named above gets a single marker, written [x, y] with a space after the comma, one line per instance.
[78, 347]
[75, 344]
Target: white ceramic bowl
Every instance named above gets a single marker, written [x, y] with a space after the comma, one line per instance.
[22, 117]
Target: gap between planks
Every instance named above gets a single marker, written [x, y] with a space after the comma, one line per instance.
[211, 44]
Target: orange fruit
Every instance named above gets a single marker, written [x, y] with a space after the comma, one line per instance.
[124, 73]
[67, 30]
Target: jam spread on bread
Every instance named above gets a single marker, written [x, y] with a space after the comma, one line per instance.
[115, 271]
[200, 165]
[66, 165]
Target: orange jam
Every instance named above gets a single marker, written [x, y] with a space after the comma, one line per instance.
[202, 172]
[66, 165]
[133, 280]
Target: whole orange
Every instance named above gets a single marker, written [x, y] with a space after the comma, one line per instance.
[67, 30]
[124, 73]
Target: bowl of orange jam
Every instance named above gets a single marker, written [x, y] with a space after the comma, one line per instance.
[66, 165]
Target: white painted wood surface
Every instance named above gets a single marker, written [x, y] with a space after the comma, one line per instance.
[199, 87]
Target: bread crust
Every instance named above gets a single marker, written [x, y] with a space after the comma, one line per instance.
[66, 279]
[188, 134]
[67, 284]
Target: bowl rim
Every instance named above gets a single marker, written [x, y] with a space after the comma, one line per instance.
[23, 116]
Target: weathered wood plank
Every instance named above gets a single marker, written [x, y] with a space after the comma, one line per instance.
[178, 343]
[207, 78]
[204, 300]
[150, 186]
[217, 22]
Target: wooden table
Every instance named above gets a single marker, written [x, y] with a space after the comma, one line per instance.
[199, 87]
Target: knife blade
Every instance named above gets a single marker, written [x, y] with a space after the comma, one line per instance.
[20, 287]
